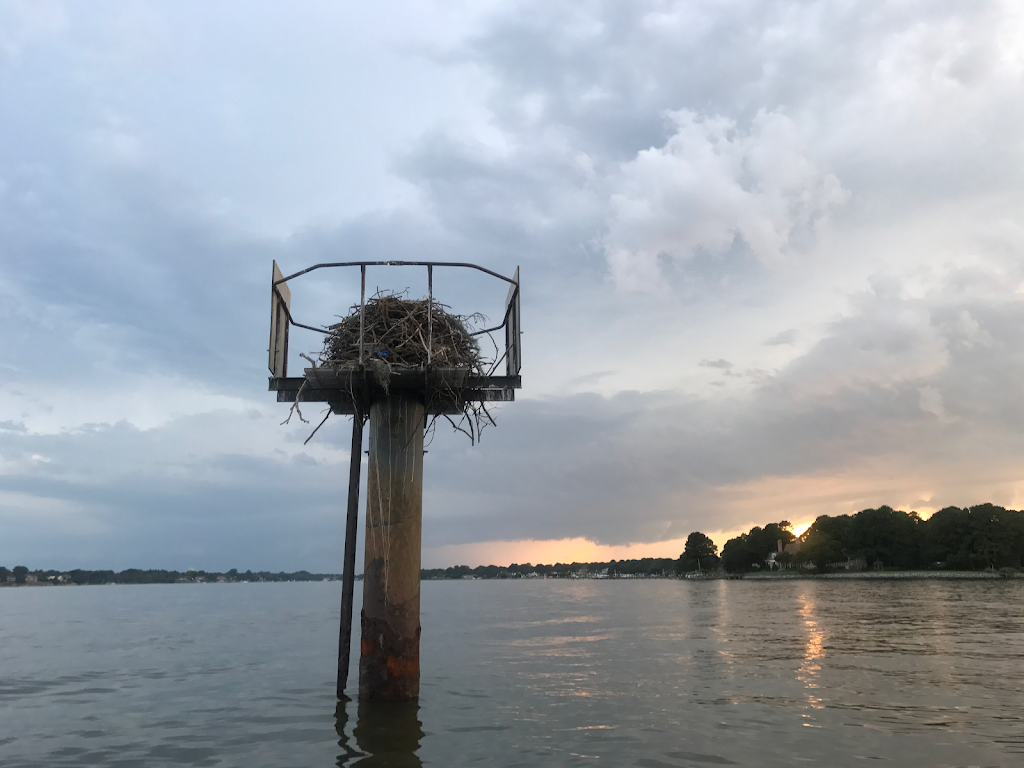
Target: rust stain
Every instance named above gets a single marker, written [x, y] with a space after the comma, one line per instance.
[399, 667]
[389, 666]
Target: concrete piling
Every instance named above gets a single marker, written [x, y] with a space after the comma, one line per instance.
[389, 661]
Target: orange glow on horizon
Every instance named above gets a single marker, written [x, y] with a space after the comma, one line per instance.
[578, 550]
[797, 498]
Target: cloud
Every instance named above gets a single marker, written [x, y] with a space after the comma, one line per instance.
[210, 489]
[24, 23]
[814, 210]
[644, 467]
[709, 185]
[783, 337]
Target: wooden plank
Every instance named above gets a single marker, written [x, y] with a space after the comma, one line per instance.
[513, 333]
[342, 403]
[348, 380]
[343, 389]
[280, 306]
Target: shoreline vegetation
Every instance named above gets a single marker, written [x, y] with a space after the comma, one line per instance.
[571, 571]
[981, 542]
[22, 576]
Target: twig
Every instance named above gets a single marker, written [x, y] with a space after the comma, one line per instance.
[469, 434]
[295, 405]
[318, 427]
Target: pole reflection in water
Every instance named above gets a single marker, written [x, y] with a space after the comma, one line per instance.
[386, 734]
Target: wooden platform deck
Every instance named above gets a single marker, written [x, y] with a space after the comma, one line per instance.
[445, 390]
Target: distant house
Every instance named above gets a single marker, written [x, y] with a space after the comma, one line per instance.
[774, 560]
[30, 578]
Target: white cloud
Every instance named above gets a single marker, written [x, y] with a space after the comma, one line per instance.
[24, 23]
[710, 184]
[144, 401]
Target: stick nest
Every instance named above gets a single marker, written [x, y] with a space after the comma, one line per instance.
[397, 331]
[396, 335]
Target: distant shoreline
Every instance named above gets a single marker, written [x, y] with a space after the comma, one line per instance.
[857, 576]
[21, 576]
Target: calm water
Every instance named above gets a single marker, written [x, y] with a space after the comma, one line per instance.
[548, 673]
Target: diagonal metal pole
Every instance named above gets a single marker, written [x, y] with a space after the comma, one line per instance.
[349, 574]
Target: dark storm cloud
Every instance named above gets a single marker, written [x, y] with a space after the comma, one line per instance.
[117, 496]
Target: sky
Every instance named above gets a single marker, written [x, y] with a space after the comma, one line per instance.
[772, 260]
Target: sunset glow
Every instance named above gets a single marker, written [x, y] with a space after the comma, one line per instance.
[799, 529]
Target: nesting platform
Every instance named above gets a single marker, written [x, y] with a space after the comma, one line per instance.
[348, 390]
[395, 397]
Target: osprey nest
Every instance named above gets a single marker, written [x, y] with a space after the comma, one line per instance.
[397, 331]
[396, 335]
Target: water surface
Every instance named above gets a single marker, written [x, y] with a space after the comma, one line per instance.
[522, 673]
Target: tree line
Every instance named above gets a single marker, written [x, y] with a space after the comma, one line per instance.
[969, 538]
[647, 567]
[981, 537]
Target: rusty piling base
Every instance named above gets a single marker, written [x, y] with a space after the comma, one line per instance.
[389, 668]
[389, 657]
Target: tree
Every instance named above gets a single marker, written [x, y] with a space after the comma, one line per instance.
[748, 551]
[998, 536]
[20, 572]
[826, 541]
[699, 553]
[947, 538]
[887, 534]
[984, 536]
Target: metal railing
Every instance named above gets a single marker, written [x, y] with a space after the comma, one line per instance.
[510, 321]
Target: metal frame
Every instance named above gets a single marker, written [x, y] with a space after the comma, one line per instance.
[344, 389]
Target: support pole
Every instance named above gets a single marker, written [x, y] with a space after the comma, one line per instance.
[349, 573]
[389, 662]
[362, 309]
[430, 313]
